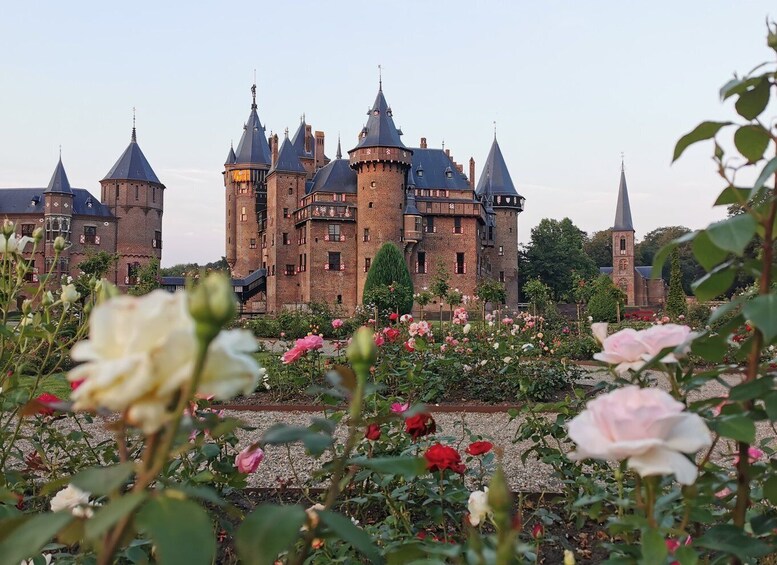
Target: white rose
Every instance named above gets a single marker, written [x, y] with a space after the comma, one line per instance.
[69, 294]
[467, 328]
[13, 245]
[73, 499]
[478, 506]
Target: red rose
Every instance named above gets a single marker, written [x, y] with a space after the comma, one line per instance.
[393, 316]
[479, 447]
[440, 457]
[391, 334]
[420, 425]
[44, 401]
[75, 384]
[372, 432]
[537, 531]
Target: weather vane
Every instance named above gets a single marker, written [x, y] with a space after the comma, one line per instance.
[380, 77]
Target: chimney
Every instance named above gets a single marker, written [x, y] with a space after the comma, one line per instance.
[274, 148]
[319, 149]
[472, 173]
[308, 138]
[448, 153]
[423, 143]
[459, 168]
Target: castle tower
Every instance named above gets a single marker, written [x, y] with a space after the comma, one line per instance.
[285, 188]
[381, 161]
[58, 218]
[623, 243]
[135, 196]
[498, 190]
[246, 193]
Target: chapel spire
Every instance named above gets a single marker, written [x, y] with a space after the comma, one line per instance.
[623, 220]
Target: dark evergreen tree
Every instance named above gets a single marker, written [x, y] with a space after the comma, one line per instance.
[603, 304]
[389, 270]
[676, 304]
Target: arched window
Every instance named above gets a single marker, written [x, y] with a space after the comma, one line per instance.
[623, 245]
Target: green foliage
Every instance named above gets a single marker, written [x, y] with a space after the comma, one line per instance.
[646, 250]
[194, 269]
[599, 248]
[491, 291]
[440, 284]
[148, 279]
[388, 284]
[554, 254]
[539, 295]
[676, 304]
[603, 304]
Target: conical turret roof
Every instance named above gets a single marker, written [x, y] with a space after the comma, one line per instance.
[298, 141]
[380, 130]
[253, 148]
[623, 220]
[288, 161]
[495, 175]
[132, 165]
[231, 157]
[59, 183]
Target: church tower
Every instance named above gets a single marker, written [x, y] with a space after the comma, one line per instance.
[381, 162]
[623, 243]
[135, 196]
[245, 174]
[58, 218]
[497, 190]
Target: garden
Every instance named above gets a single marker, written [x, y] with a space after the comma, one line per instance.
[161, 429]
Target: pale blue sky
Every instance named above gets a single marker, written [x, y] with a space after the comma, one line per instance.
[570, 84]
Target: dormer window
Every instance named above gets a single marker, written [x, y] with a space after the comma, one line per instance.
[448, 173]
[420, 171]
[35, 201]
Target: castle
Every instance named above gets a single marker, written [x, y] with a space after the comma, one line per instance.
[312, 225]
[126, 220]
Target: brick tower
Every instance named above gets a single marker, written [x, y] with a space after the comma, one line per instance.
[245, 174]
[135, 196]
[381, 161]
[58, 218]
[503, 204]
[623, 243]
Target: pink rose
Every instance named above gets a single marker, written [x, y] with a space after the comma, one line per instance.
[660, 337]
[310, 343]
[398, 408]
[247, 461]
[753, 455]
[293, 354]
[623, 348]
[337, 323]
[378, 339]
[646, 426]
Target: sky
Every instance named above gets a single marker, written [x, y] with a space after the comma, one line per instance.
[570, 85]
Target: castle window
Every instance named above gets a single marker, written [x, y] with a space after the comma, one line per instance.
[501, 250]
[289, 270]
[339, 298]
[272, 271]
[460, 267]
[333, 263]
[333, 233]
[430, 225]
[367, 264]
[428, 206]
[252, 243]
[285, 238]
[31, 275]
[291, 191]
[420, 266]
[27, 230]
[623, 246]
[490, 232]
[369, 205]
[137, 193]
[501, 276]
[243, 215]
[418, 224]
[132, 273]
[457, 224]
[285, 212]
[373, 184]
[90, 235]
[157, 239]
[366, 236]
[153, 194]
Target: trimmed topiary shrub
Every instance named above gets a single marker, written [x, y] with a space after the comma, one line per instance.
[388, 285]
[603, 305]
[676, 304]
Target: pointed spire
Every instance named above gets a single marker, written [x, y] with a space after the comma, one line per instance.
[59, 182]
[494, 129]
[339, 154]
[623, 220]
[288, 160]
[380, 130]
[231, 157]
[132, 165]
[495, 178]
[253, 148]
[134, 133]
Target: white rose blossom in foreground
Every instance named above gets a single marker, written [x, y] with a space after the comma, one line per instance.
[141, 351]
[73, 499]
[632, 349]
[478, 506]
[645, 426]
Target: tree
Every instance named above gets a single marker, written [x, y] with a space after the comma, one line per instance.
[389, 269]
[603, 305]
[148, 279]
[599, 248]
[440, 284]
[554, 253]
[539, 296]
[491, 291]
[645, 251]
[676, 304]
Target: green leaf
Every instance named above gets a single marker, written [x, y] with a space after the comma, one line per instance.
[710, 347]
[733, 234]
[103, 480]
[705, 130]
[753, 101]
[770, 405]
[106, 516]
[736, 427]
[768, 171]
[686, 555]
[707, 253]
[762, 312]
[268, 531]
[714, 283]
[770, 489]
[181, 530]
[732, 195]
[660, 258]
[654, 550]
[733, 541]
[315, 442]
[751, 141]
[352, 534]
[753, 389]
[721, 311]
[408, 467]
[28, 538]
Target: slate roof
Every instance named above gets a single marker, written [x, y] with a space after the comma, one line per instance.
[410, 207]
[495, 175]
[430, 168]
[298, 141]
[59, 182]
[337, 176]
[623, 209]
[231, 157]
[253, 148]
[132, 165]
[380, 130]
[15, 201]
[288, 161]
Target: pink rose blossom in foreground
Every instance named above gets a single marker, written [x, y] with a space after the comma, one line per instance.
[647, 427]
[623, 348]
[630, 349]
[378, 339]
[337, 323]
[310, 342]
[657, 338]
[247, 461]
[293, 354]
[398, 408]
